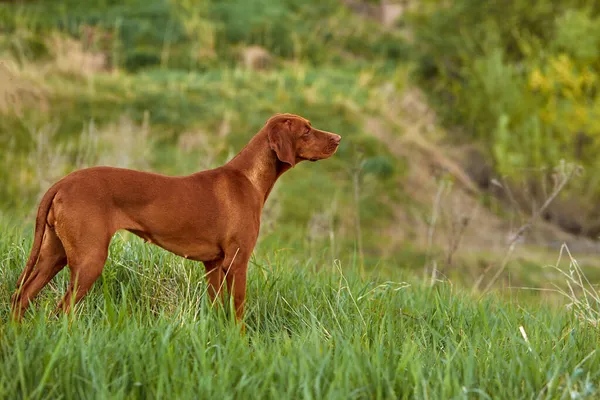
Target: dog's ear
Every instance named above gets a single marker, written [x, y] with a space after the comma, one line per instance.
[280, 140]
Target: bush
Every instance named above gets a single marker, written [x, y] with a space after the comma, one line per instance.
[521, 77]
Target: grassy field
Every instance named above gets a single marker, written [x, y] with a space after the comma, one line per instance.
[112, 85]
[314, 330]
[341, 302]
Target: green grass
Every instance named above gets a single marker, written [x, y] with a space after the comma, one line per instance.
[147, 330]
[199, 35]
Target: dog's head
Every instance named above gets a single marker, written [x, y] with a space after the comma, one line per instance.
[294, 139]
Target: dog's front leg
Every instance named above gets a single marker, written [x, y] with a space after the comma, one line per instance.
[235, 275]
[215, 280]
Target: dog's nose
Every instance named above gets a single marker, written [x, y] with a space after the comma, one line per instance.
[337, 139]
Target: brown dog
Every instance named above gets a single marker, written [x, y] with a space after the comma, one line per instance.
[211, 216]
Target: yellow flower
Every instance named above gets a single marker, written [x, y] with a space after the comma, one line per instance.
[563, 68]
[588, 78]
[537, 80]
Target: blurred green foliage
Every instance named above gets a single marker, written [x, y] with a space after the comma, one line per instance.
[177, 67]
[192, 35]
[521, 77]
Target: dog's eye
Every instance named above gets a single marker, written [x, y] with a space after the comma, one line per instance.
[307, 131]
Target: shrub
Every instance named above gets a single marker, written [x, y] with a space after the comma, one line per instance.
[520, 77]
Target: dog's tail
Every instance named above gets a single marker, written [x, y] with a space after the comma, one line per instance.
[38, 236]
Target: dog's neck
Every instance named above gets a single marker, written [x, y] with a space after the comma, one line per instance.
[259, 163]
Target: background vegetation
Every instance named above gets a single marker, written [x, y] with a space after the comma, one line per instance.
[160, 86]
[373, 273]
[522, 78]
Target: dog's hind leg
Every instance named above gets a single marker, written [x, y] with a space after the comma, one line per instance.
[51, 260]
[84, 272]
[87, 251]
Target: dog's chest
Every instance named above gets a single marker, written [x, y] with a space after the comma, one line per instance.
[193, 248]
